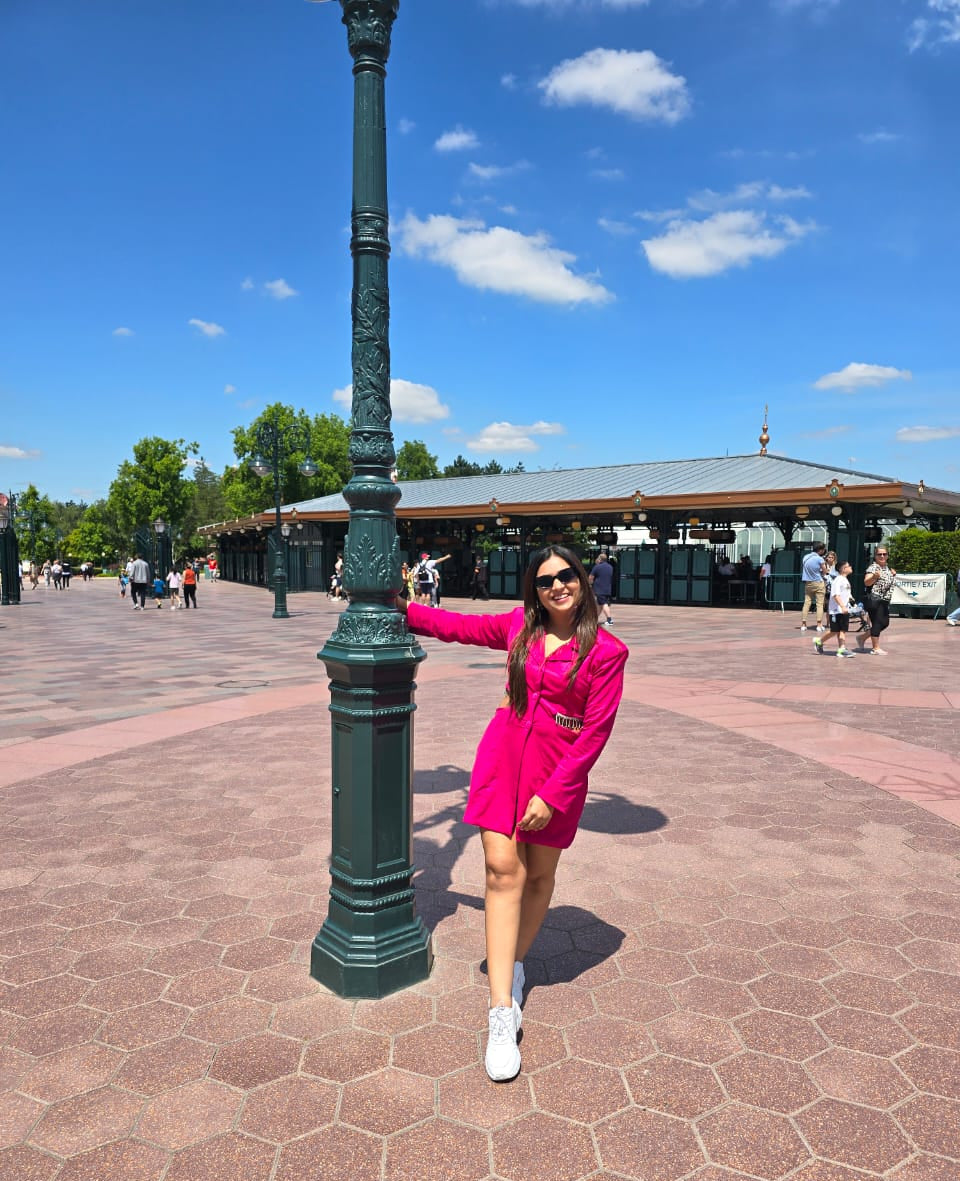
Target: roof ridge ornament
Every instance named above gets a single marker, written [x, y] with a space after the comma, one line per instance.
[764, 438]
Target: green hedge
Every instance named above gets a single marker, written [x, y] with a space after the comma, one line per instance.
[915, 551]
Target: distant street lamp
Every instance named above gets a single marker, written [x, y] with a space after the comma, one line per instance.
[275, 444]
[9, 583]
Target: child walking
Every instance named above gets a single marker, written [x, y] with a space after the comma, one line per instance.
[841, 600]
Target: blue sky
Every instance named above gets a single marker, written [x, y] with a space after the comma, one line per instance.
[619, 228]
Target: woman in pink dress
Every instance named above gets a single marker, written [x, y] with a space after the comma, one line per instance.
[529, 780]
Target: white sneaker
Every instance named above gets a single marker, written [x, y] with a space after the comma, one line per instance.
[502, 1059]
[803, 627]
[821, 628]
[878, 651]
[952, 623]
[519, 980]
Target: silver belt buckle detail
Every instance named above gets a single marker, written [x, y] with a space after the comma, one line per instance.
[568, 723]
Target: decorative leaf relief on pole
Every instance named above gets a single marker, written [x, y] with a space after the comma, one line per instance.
[370, 629]
[370, 448]
[371, 358]
[368, 26]
[364, 564]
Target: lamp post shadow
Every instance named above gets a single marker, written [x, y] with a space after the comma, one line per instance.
[573, 940]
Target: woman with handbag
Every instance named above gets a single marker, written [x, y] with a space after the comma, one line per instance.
[529, 780]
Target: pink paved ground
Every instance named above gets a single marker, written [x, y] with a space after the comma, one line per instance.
[750, 969]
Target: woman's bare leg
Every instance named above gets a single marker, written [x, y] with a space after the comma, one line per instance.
[541, 875]
[506, 877]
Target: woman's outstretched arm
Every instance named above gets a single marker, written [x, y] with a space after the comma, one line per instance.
[486, 631]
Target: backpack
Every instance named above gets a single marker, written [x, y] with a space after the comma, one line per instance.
[422, 573]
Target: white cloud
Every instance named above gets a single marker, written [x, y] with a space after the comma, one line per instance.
[755, 190]
[631, 82]
[405, 126]
[500, 259]
[457, 140]
[496, 171]
[607, 173]
[409, 401]
[207, 327]
[248, 284]
[659, 214]
[247, 404]
[279, 289]
[926, 434]
[943, 28]
[734, 238]
[827, 432]
[229, 389]
[123, 332]
[858, 376]
[508, 436]
[508, 81]
[618, 228]
[7, 452]
[880, 136]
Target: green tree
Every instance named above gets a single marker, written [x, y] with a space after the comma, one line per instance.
[462, 467]
[36, 525]
[91, 540]
[414, 462]
[152, 485]
[207, 506]
[246, 493]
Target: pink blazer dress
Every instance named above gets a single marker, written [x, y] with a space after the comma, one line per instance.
[536, 755]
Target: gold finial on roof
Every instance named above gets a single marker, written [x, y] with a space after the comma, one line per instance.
[764, 436]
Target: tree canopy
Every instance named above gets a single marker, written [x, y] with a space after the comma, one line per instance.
[152, 485]
[327, 439]
[414, 462]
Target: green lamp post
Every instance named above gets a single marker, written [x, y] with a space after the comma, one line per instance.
[372, 942]
[275, 444]
[9, 584]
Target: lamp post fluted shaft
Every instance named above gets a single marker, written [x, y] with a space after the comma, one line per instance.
[372, 941]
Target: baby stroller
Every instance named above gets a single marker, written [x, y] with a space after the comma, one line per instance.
[859, 619]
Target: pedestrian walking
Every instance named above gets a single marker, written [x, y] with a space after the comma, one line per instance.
[601, 580]
[47, 572]
[158, 588]
[122, 581]
[57, 571]
[188, 584]
[66, 573]
[139, 581]
[813, 575]
[529, 780]
[878, 591]
[841, 601]
[478, 582]
[173, 581]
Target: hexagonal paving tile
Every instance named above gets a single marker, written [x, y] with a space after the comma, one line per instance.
[539, 1147]
[438, 1151]
[288, 1109]
[666, 1148]
[933, 1124]
[86, 1121]
[858, 1078]
[674, 1086]
[387, 1101]
[253, 1061]
[762, 1081]
[781, 1034]
[608, 1040]
[471, 1098]
[857, 1136]
[332, 1154]
[347, 1054]
[755, 1142]
[580, 1091]
[239, 1158]
[701, 1039]
[189, 1114]
[871, 1033]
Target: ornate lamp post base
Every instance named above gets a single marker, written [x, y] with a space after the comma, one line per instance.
[372, 942]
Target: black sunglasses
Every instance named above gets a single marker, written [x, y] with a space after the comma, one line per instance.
[546, 581]
[881, 553]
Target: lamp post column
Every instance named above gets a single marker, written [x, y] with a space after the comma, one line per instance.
[279, 566]
[372, 941]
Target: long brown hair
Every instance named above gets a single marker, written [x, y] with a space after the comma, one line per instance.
[535, 619]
